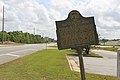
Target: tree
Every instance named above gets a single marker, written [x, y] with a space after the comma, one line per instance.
[20, 37]
[104, 41]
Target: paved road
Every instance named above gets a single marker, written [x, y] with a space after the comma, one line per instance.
[104, 66]
[13, 52]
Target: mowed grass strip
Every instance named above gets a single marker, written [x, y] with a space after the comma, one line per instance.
[106, 48]
[91, 54]
[44, 65]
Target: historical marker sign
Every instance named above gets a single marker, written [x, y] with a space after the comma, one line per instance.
[76, 31]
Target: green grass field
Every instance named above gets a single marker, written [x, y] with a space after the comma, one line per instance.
[106, 48]
[44, 65]
[91, 54]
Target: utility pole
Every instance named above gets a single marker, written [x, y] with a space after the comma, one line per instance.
[3, 27]
[34, 30]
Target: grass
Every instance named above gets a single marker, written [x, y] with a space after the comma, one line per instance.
[91, 54]
[106, 48]
[53, 46]
[114, 48]
[44, 65]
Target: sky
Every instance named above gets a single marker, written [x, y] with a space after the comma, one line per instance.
[25, 15]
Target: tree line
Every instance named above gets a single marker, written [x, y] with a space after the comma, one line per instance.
[20, 37]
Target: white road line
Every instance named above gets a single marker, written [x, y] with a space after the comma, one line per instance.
[11, 53]
[8, 54]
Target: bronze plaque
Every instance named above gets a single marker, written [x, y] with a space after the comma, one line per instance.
[76, 31]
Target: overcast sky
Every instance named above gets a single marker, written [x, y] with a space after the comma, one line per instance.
[26, 14]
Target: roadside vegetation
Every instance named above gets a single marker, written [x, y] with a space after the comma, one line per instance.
[74, 52]
[21, 37]
[48, 64]
[91, 54]
[53, 46]
[106, 48]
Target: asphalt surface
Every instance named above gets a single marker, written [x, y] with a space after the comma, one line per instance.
[104, 66]
[13, 52]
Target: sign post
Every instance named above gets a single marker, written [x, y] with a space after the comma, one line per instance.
[82, 70]
[118, 64]
[76, 32]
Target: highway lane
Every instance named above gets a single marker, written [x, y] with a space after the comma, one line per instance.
[13, 52]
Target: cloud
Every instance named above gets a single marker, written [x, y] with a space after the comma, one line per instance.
[62, 4]
[27, 14]
[108, 22]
